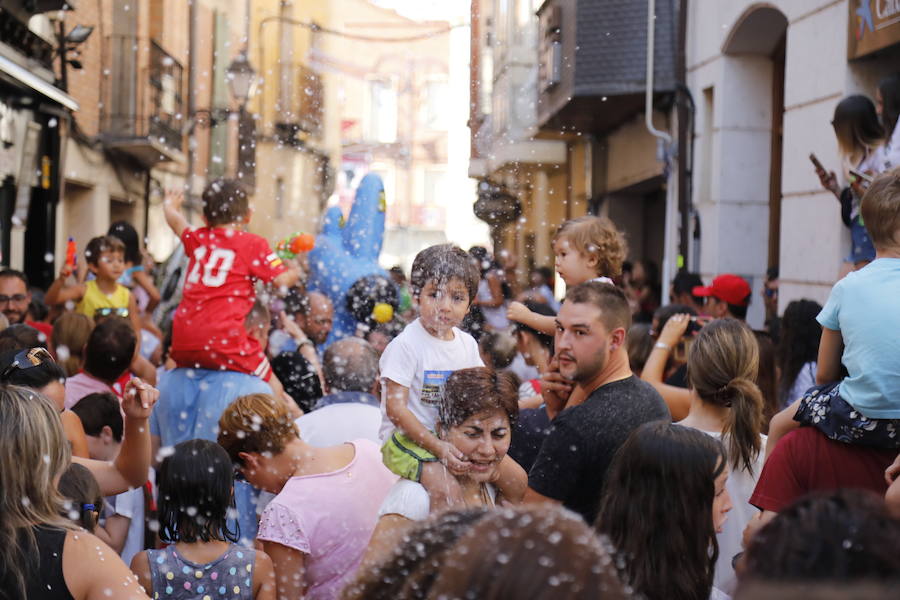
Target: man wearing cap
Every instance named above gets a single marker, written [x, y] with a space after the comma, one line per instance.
[728, 296]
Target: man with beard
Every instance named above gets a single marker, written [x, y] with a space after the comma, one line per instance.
[590, 353]
[14, 295]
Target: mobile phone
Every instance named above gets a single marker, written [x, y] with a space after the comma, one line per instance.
[864, 176]
[816, 163]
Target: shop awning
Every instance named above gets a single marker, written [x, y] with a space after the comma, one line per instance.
[42, 86]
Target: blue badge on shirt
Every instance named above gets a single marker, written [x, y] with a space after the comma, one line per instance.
[433, 386]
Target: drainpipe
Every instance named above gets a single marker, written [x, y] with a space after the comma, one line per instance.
[648, 103]
[664, 142]
[191, 108]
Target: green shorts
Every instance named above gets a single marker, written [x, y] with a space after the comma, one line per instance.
[404, 457]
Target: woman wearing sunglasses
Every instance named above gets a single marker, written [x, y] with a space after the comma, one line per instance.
[35, 369]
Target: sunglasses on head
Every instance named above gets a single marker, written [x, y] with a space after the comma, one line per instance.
[26, 359]
[106, 311]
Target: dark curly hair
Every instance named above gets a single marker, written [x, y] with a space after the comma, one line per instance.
[841, 536]
[799, 342]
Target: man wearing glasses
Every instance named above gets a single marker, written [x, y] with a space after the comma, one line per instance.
[14, 295]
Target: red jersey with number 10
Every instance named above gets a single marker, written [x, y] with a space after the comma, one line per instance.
[218, 292]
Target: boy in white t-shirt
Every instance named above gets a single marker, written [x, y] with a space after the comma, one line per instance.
[414, 368]
[123, 526]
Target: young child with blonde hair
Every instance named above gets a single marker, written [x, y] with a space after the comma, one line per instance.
[588, 248]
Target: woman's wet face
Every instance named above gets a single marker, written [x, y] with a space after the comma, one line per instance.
[484, 440]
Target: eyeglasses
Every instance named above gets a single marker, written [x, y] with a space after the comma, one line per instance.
[107, 311]
[15, 298]
[26, 359]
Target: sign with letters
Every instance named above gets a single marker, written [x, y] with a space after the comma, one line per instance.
[873, 25]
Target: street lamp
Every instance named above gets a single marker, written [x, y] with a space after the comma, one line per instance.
[241, 78]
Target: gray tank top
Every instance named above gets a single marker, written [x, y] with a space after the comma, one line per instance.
[176, 578]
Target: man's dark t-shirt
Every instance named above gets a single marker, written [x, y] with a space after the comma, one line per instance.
[571, 466]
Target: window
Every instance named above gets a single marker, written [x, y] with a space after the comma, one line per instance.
[437, 96]
[381, 125]
[435, 187]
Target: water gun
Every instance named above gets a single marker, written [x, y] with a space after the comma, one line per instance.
[294, 244]
[71, 253]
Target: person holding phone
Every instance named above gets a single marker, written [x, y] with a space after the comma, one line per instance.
[859, 134]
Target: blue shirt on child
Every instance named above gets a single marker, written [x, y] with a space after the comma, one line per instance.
[865, 307]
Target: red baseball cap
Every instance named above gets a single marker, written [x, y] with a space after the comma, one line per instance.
[728, 288]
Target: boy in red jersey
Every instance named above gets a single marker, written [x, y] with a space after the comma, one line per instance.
[224, 263]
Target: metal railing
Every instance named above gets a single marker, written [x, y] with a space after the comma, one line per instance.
[141, 91]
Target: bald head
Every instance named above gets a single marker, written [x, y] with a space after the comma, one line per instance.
[316, 316]
[350, 365]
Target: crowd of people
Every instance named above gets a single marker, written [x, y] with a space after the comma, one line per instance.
[486, 441]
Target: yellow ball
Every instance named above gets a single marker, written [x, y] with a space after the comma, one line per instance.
[383, 312]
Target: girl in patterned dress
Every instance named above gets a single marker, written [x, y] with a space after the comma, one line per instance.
[202, 560]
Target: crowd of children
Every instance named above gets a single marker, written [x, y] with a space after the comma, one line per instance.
[489, 476]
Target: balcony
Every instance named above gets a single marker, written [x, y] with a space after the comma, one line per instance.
[603, 83]
[300, 107]
[15, 34]
[142, 103]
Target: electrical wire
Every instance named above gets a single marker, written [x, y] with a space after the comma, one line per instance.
[316, 28]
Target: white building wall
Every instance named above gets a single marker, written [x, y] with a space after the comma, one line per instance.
[732, 147]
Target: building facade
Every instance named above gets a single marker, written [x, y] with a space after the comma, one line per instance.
[564, 133]
[754, 86]
[34, 111]
[298, 130]
[766, 78]
[400, 113]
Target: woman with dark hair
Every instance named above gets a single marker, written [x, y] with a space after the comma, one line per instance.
[34, 368]
[196, 491]
[665, 368]
[476, 414]
[539, 553]
[663, 503]
[798, 350]
[843, 536]
[411, 568]
[887, 104]
[859, 134]
[135, 276]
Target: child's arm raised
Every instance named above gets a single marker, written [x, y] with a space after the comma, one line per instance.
[403, 418]
[59, 292]
[519, 313]
[172, 210]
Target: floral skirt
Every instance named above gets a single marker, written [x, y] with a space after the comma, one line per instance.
[823, 408]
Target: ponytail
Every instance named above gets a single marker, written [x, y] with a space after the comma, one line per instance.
[723, 362]
[743, 423]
